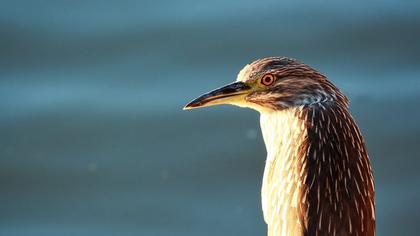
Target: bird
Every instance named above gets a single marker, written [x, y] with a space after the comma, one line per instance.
[317, 177]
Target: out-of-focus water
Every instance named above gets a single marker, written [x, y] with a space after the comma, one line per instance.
[94, 141]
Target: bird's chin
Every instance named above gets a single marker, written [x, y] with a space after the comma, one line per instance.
[254, 106]
[239, 101]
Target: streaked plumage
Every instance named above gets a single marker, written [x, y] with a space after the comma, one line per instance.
[317, 177]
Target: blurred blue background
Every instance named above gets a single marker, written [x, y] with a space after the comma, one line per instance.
[94, 142]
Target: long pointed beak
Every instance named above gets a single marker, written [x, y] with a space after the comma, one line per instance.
[228, 94]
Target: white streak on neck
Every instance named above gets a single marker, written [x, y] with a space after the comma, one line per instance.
[283, 134]
[280, 128]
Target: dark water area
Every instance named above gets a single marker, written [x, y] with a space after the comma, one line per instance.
[94, 140]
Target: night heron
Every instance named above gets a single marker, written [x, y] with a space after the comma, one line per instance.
[317, 178]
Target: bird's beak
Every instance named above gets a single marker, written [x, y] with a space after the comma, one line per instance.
[233, 93]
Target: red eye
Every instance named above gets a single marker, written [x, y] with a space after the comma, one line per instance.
[267, 79]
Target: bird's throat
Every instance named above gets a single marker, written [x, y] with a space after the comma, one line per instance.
[283, 132]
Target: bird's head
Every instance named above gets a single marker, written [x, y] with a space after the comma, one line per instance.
[270, 84]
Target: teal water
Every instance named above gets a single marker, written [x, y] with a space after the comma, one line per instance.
[94, 141]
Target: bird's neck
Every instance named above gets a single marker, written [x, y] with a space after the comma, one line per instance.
[284, 134]
[317, 177]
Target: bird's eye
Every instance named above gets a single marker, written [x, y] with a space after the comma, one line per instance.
[267, 79]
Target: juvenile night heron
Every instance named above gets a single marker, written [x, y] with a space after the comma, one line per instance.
[317, 177]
